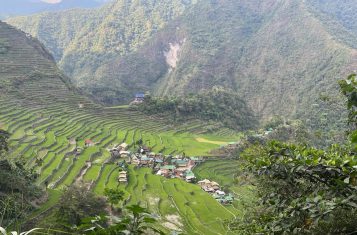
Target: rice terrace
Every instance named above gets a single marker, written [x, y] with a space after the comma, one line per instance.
[42, 138]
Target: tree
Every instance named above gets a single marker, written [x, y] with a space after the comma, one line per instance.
[78, 203]
[349, 89]
[114, 196]
[305, 190]
[17, 186]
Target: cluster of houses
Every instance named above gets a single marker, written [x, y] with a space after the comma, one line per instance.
[164, 165]
[167, 166]
[214, 189]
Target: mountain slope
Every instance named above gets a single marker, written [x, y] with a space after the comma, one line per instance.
[279, 56]
[87, 38]
[29, 75]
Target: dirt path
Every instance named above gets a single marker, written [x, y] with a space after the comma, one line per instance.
[202, 140]
[83, 172]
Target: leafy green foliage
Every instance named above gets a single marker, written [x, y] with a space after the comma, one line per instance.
[139, 221]
[218, 104]
[349, 89]
[78, 203]
[16, 186]
[301, 186]
[114, 196]
[306, 190]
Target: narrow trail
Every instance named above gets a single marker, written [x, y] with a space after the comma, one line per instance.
[84, 170]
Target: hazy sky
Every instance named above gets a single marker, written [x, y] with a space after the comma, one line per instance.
[51, 1]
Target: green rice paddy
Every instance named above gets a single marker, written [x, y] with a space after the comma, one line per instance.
[43, 130]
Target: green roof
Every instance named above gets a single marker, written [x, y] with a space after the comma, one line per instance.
[189, 173]
[169, 167]
[181, 162]
[144, 158]
[229, 197]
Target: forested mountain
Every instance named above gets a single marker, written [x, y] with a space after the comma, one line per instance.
[279, 56]
[26, 7]
[82, 40]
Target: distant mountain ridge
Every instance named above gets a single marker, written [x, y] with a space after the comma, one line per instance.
[9, 8]
[279, 56]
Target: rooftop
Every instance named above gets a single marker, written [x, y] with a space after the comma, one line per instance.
[168, 167]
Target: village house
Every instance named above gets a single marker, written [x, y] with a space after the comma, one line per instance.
[134, 160]
[189, 176]
[123, 146]
[88, 143]
[120, 150]
[214, 189]
[181, 163]
[223, 197]
[139, 98]
[206, 186]
[124, 153]
[167, 171]
[123, 177]
[209, 186]
[145, 160]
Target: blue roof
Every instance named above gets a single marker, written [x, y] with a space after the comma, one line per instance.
[140, 95]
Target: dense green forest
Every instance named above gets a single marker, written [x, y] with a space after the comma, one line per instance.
[217, 105]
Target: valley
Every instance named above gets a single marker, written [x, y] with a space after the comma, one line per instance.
[178, 117]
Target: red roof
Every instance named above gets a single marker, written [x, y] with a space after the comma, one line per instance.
[88, 141]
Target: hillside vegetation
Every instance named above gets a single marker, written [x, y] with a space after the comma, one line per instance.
[217, 105]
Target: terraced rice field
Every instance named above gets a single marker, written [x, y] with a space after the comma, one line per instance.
[225, 172]
[43, 132]
[48, 118]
